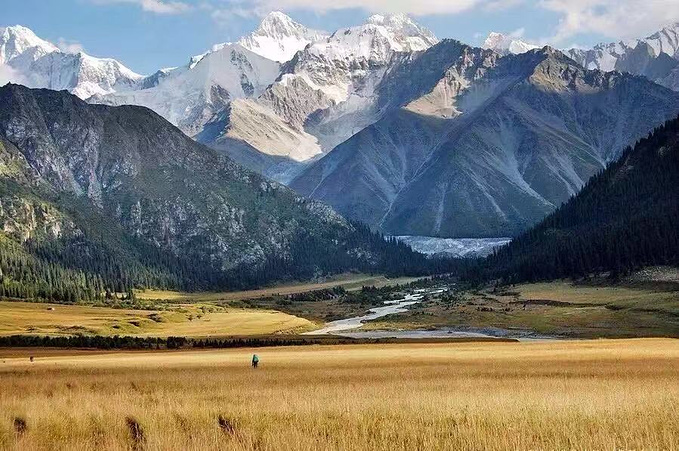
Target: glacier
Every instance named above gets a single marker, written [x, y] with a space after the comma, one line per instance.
[453, 247]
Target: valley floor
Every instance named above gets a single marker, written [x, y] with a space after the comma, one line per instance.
[636, 308]
[346, 281]
[604, 394]
[646, 305]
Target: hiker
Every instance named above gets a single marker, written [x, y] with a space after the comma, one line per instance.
[255, 360]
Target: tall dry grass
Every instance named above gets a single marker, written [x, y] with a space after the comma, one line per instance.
[566, 395]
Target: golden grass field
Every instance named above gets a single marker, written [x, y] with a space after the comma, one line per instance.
[603, 394]
[196, 320]
[347, 281]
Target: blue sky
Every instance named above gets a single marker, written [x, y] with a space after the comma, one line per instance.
[149, 34]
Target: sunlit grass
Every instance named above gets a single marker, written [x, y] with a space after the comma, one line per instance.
[197, 320]
[547, 395]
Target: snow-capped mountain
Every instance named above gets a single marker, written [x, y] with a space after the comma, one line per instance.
[21, 44]
[191, 95]
[330, 77]
[199, 92]
[328, 89]
[325, 94]
[81, 74]
[505, 44]
[341, 64]
[278, 37]
[656, 57]
[29, 60]
[389, 125]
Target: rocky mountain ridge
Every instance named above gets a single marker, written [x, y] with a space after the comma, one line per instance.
[656, 56]
[100, 177]
[387, 124]
[492, 147]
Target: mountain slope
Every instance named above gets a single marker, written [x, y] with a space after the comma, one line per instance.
[254, 136]
[126, 183]
[190, 96]
[496, 145]
[625, 218]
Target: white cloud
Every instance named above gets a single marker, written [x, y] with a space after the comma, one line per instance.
[9, 75]
[616, 19]
[69, 46]
[154, 6]
[160, 7]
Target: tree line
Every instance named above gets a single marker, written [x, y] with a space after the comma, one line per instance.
[91, 269]
[127, 342]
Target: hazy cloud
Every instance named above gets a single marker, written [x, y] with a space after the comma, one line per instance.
[154, 6]
[501, 5]
[69, 46]
[415, 8]
[8, 74]
[612, 19]
[616, 19]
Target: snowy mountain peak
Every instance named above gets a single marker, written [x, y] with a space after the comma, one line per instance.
[17, 40]
[34, 62]
[375, 40]
[278, 24]
[671, 28]
[665, 40]
[655, 57]
[505, 44]
[411, 35]
[278, 37]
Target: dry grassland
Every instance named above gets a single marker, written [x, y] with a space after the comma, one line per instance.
[604, 394]
[23, 318]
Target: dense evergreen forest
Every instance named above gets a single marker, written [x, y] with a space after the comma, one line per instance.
[84, 269]
[625, 218]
